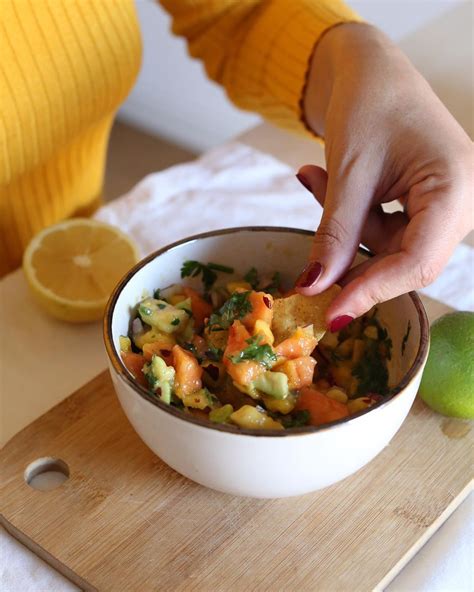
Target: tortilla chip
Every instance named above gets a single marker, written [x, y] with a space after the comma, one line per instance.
[301, 311]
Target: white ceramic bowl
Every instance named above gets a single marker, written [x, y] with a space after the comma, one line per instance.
[263, 464]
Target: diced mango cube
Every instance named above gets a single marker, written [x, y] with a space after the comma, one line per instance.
[280, 405]
[249, 417]
[263, 328]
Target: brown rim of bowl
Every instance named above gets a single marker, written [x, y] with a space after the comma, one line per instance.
[126, 376]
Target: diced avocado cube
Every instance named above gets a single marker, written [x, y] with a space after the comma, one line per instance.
[162, 316]
[221, 414]
[164, 377]
[274, 384]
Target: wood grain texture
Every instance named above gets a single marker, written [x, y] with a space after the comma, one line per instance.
[124, 520]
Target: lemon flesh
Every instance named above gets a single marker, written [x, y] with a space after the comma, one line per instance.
[72, 267]
[447, 385]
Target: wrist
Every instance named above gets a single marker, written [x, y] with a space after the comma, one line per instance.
[344, 52]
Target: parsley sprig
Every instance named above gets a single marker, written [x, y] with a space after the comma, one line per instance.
[236, 307]
[208, 273]
[259, 353]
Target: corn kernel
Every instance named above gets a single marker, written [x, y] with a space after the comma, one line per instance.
[251, 418]
[125, 344]
[280, 405]
[234, 286]
[176, 299]
[263, 328]
[337, 394]
[358, 405]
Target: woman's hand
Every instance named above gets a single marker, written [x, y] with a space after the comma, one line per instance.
[388, 137]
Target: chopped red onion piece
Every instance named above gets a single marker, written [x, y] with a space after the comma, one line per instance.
[137, 326]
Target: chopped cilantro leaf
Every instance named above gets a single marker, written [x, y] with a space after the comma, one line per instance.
[236, 307]
[259, 353]
[175, 322]
[274, 286]
[214, 353]
[161, 306]
[252, 278]
[190, 347]
[219, 267]
[296, 419]
[371, 371]
[157, 294]
[176, 402]
[212, 400]
[208, 273]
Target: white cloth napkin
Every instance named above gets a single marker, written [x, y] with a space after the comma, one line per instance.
[235, 185]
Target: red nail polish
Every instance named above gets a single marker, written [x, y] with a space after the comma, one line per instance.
[310, 275]
[339, 323]
[303, 181]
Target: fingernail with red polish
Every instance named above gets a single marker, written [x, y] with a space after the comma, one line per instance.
[310, 275]
[303, 181]
[339, 323]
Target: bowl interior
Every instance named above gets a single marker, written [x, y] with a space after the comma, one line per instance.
[268, 249]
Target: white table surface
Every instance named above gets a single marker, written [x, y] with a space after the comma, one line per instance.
[26, 393]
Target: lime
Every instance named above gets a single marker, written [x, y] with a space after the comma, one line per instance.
[447, 385]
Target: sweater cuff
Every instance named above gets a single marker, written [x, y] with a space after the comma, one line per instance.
[279, 47]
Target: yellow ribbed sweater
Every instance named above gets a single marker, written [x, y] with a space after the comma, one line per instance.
[66, 65]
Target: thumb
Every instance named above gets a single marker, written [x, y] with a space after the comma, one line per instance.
[346, 206]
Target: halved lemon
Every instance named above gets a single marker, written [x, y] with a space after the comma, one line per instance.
[72, 267]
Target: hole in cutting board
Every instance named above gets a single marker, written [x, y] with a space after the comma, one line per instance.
[46, 473]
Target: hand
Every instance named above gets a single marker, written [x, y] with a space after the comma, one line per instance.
[388, 137]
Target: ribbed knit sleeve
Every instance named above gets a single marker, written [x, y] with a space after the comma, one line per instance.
[259, 50]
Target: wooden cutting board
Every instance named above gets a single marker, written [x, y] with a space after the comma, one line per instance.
[126, 521]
